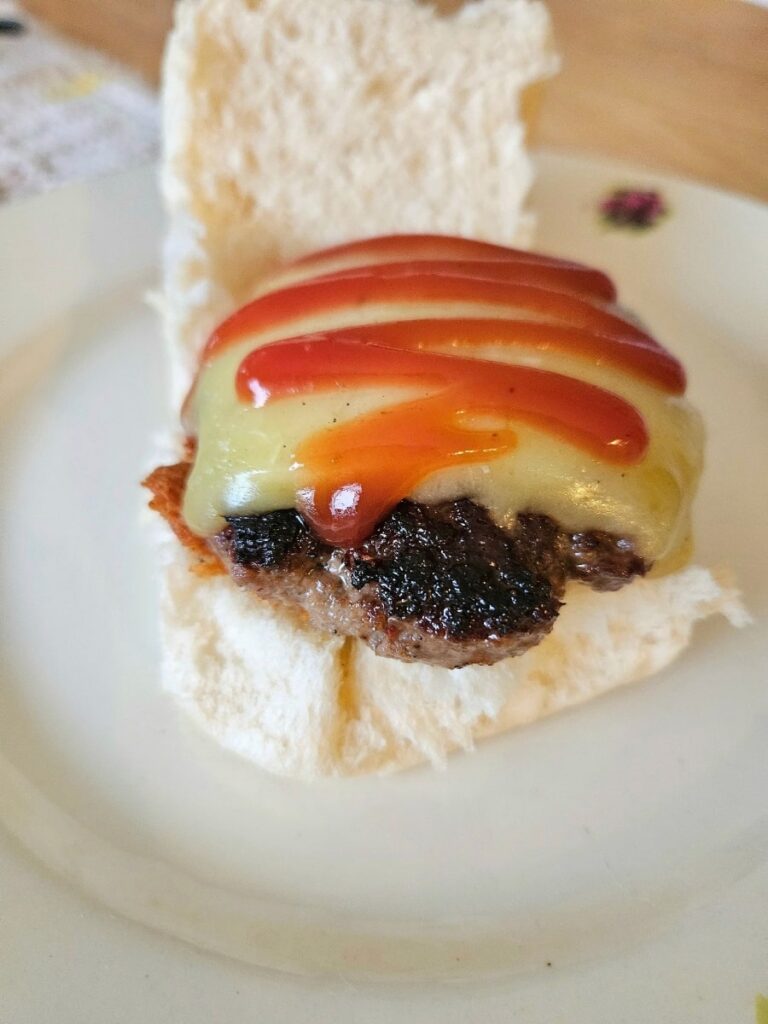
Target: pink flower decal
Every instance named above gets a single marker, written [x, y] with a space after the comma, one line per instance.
[634, 208]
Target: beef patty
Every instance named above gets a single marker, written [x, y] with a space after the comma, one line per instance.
[443, 584]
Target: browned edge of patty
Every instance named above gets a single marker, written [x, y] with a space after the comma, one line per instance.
[442, 584]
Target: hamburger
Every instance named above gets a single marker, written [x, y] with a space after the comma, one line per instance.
[427, 484]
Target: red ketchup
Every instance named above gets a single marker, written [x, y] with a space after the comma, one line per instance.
[358, 470]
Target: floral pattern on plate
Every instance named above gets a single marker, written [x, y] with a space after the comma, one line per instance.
[634, 208]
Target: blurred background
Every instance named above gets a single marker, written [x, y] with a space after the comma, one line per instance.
[677, 85]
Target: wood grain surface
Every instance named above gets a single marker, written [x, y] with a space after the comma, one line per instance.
[678, 85]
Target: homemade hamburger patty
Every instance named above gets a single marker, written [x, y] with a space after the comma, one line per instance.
[442, 583]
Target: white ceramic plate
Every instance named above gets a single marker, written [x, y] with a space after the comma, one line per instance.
[607, 864]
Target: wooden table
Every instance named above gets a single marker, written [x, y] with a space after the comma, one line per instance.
[680, 85]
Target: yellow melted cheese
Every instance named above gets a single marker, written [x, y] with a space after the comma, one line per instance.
[246, 460]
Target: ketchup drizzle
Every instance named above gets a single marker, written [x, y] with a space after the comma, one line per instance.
[361, 469]
[357, 470]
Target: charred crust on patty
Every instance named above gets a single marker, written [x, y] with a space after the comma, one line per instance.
[443, 584]
[269, 540]
[453, 571]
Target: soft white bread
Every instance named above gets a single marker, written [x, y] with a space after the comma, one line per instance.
[293, 124]
[290, 125]
[303, 704]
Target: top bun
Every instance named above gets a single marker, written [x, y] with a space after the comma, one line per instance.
[291, 125]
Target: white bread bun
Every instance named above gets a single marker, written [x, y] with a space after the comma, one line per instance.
[295, 124]
[291, 125]
[297, 702]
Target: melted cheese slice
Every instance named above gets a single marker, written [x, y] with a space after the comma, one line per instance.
[248, 462]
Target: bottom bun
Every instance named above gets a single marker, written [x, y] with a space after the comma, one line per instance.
[304, 704]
